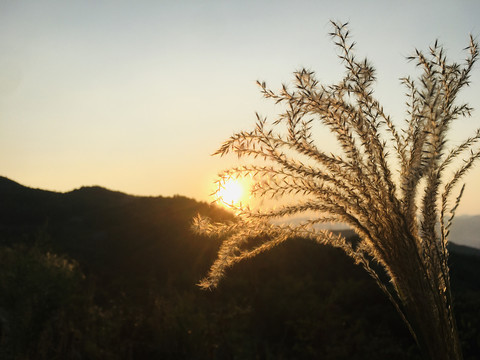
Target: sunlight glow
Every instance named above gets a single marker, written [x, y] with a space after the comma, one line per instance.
[230, 192]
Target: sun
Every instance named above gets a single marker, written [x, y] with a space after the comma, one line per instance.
[230, 192]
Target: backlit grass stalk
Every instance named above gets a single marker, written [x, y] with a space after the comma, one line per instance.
[396, 217]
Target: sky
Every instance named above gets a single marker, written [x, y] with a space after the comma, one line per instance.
[135, 95]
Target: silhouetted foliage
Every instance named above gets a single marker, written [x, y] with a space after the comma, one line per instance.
[95, 274]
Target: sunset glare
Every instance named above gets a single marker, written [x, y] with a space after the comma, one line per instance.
[231, 192]
[135, 96]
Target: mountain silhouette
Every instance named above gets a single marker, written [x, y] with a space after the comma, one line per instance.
[138, 266]
[108, 232]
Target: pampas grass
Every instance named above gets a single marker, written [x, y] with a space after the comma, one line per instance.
[390, 185]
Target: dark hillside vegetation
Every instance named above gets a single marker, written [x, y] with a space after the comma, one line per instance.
[97, 274]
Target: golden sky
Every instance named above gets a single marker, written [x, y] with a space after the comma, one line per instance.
[135, 95]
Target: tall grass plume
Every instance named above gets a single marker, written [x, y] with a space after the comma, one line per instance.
[395, 186]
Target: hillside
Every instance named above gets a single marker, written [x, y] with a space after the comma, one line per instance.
[99, 274]
[106, 231]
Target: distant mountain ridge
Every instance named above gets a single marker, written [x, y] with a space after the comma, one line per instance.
[465, 230]
[139, 263]
[108, 231]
